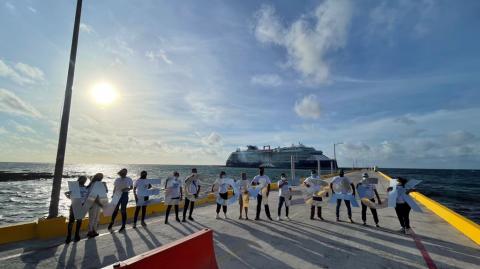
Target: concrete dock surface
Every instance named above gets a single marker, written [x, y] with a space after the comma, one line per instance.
[298, 243]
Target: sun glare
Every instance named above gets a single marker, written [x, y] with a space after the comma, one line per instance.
[104, 93]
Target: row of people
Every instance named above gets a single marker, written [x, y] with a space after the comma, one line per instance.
[175, 188]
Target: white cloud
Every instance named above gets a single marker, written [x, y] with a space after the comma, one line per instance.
[10, 6]
[32, 9]
[213, 139]
[86, 28]
[308, 44]
[30, 71]
[308, 107]
[405, 120]
[267, 80]
[22, 128]
[12, 104]
[3, 130]
[155, 56]
[21, 73]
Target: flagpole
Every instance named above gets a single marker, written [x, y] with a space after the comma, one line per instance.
[62, 140]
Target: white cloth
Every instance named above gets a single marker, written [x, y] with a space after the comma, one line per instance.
[369, 189]
[222, 186]
[258, 179]
[283, 191]
[342, 184]
[400, 194]
[140, 185]
[243, 186]
[122, 183]
[172, 188]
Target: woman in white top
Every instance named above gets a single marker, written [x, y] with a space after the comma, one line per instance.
[122, 187]
[140, 183]
[94, 210]
[402, 208]
[244, 196]
[71, 219]
[173, 195]
[192, 189]
[314, 181]
[284, 193]
[371, 190]
[222, 193]
[346, 187]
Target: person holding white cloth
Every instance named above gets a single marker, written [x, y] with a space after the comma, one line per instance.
[173, 195]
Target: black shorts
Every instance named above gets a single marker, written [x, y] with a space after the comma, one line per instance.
[224, 195]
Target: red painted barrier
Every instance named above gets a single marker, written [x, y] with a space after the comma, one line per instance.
[194, 252]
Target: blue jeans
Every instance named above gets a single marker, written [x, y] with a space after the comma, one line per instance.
[122, 202]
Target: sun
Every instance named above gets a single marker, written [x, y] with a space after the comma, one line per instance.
[104, 93]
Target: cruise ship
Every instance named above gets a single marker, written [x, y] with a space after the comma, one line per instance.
[280, 157]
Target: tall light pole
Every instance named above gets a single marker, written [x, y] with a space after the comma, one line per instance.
[62, 140]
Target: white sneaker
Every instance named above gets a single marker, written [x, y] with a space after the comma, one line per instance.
[225, 215]
[279, 219]
[217, 216]
[408, 231]
[288, 218]
[402, 230]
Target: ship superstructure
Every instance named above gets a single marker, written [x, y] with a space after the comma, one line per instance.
[280, 157]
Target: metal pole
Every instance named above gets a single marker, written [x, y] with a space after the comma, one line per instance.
[62, 140]
[318, 167]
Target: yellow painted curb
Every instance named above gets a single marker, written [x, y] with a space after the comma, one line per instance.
[469, 228]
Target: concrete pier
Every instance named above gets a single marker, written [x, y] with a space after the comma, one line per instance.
[299, 243]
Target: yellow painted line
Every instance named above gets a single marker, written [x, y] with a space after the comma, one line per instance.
[469, 228]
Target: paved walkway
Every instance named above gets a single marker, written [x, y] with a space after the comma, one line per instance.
[299, 243]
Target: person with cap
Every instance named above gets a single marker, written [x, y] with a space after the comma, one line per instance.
[370, 191]
[345, 187]
[71, 219]
[284, 196]
[173, 195]
[264, 181]
[192, 189]
[315, 181]
[122, 187]
[141, 185]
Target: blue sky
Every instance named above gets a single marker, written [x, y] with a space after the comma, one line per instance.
[396, 81]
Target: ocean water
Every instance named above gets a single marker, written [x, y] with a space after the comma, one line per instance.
[457, 189]
[29, 200]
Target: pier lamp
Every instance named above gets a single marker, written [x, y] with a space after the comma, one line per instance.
[62, 138]
[334, 151]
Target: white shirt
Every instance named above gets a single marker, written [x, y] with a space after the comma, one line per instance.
[222, 186]
[192, 183]
[259, 179]
[369, 189]
[140, 185]
[172, 187]
[343, 184]
[285, 189]
[243, 185]
[122, 183]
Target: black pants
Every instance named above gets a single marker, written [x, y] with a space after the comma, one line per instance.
[259, 208]
[373, 210]
[71, 220]
[281, 201]
[185, 208]
[137, 211]
[123, 203]
[169, 207]
[403, 214]
[224, 196]
[349, 209]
